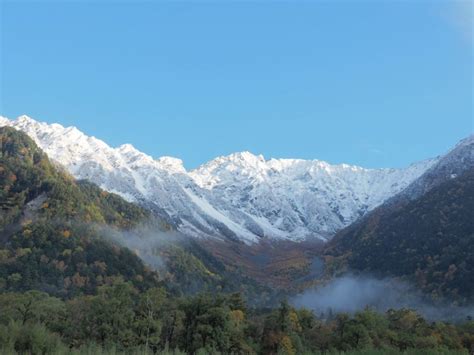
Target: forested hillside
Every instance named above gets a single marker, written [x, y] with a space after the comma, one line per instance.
[48, 239]
[429, 240]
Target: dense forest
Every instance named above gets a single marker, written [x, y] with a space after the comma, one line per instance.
[121, 319]
[429, 241]
[67, 287]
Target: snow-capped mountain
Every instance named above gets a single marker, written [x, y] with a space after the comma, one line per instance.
[240, 196]
[457, 161]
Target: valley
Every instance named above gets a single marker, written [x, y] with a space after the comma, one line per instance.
[67, 242]
[236, 177]
[266, 220]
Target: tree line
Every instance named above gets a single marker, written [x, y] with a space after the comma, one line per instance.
[122, 319]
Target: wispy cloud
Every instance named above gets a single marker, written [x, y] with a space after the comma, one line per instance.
[376, 151]
[462, 17]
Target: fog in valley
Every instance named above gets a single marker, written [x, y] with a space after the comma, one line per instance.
[354, 293]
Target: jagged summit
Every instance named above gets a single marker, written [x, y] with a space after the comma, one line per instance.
[172, 164]
[240, 196]
[127, 148]
[25, 119]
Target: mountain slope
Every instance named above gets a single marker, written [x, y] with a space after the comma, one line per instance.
[457, 161]
[429, 239]
[69, 237]
[48, 239]
[241, 197]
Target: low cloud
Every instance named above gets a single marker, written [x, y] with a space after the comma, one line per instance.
[354, 293]
[146, 241]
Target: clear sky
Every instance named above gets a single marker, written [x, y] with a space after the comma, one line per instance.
[374, 83]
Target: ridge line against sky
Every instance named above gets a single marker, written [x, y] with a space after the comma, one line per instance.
[256, 155]
[372, 84]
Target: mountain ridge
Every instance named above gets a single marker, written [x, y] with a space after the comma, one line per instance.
[241, 196]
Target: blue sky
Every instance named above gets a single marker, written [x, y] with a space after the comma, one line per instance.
[373, 83]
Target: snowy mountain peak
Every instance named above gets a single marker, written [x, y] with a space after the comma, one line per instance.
[241, 159]
[127, 148]
[246, 157]
[24, 119]
[240, 196]
[4, 121]
[174, 165]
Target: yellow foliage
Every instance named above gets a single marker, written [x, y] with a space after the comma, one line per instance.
[210, 273]
[67, 252]
[237, 316]
[295, 323]
[286, 346]
[66, 233]
[94, 214]
[26, 222]
[22, 251]
[45, 205]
